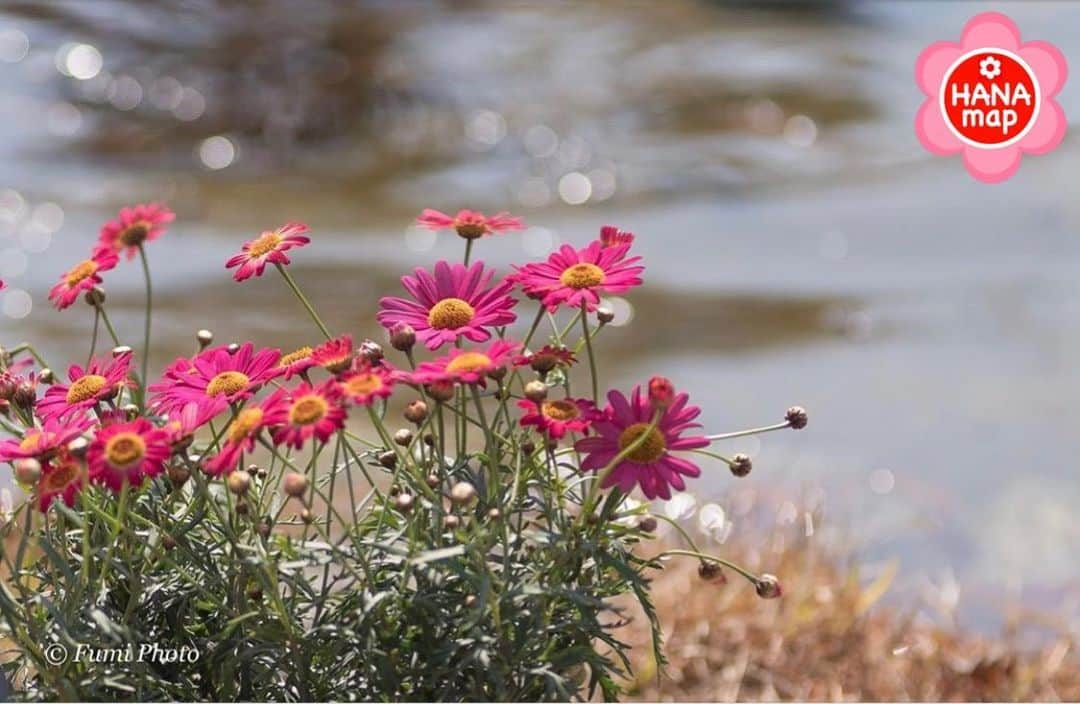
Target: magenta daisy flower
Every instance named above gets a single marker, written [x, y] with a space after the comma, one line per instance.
[134, 225]
[546, 358]
[367, 382]
[87, 387]
[62, 477]
[44, 442]
[82, 277]
[575, 277]
[270, 247]
[452, 303]
[296, 362]
[240, 437]
[308, 411]
[557, 418]
[127, 453]
[334, 355]
[469, 224]
[467, 366]
[651, 465]
[184, 422]
[215, 377]
[611, 236]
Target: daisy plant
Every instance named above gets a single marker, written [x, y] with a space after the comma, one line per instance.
[458, 516]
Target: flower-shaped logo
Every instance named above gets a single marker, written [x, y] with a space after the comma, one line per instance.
[990, 97]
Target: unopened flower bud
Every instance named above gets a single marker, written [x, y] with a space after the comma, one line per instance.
[402, 337]
[168, 542]
[647, 524]
[661, 392]
[470, 599]
[264, 528]
[8, 384]
[605, 315]
[95, 297]
[450, 522]
[257, 471]
[711, 572]
[239, 482]
[295, 484]
[204, 337]
[25, 396]
[120, 350]
[307, 516]
[254, 592]
[416, 412]
[130, 410]
[536, 391]
[178, 475]
[371, 352]
[528, 447]
[404, 502]
[403, 437]
[494, 514]
[497, 373]
[241, 508]
[233, 348]
[388, 459]
[429, 439]
[27, 471]
[79, 446]
[46, 376]
[463, 493]
[796, 417]
[433, 480]
[768, 587]
[441, 391]
[741, 465]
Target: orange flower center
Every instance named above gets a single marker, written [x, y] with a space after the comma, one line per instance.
[560, 410]
[246, 422]
[85, 388]
[363, 384]
[125, 449]
[450, 314]
[265, 244]
[651, 448]
[582, 276]
[61, 475]
[470, 230]
[135, 234]
[227, 383]
[469, 362]
[83, 270]
[30, 441]
[302, 353]
[308, 409]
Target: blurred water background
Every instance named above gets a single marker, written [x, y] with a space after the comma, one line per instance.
[801, 246]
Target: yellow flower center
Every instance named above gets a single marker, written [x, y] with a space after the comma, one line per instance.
[60, 476]
[469, 362]
[246, 422]
[470, 230]
[302, 353]
[308, 409]
[560, 410]
[30, 441]
[582, 276]
[125, 449]
[363, 384]
[265, 244]
[651, 448]
[81, 271]
[85, 388]
[450, 314]
[227, 383]
[135, 234]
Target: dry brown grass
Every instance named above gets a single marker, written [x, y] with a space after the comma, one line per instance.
[828, 638]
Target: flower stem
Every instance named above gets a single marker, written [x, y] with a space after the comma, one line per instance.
[588, 346]
[303, 300]
[146, 323]
[586, 506]
[468, 250]
[753, 578]
[93, 336]
[751, 431]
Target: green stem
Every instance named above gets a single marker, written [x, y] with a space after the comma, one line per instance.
[146, 324]
[588, 346]
[468, 250]
[753, 578]
[586, 506]
[93, 336]
[751, 431]
[108, 325]
[303, 300]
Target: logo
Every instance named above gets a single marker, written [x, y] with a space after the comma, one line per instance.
[990, 98]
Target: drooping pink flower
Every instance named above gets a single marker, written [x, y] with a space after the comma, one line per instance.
[557, 418]
[451, 303]
[87, 387]
[44, 442]
[611, 236]
[127, 453]
[467, 366]
[185, 421]
[270, 247]
[334, 355]
[661, 392]
[368, 382]
[296, 362]
[82, 277]
[651, 465]
[62, 477]
[574, 277]
[133, 226]
[469, 224]
[215, 377]
[240, 438]
[305, 412]
[546, 358]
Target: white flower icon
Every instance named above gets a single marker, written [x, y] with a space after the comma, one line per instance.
[990, 68]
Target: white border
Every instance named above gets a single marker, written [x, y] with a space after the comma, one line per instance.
[1034, 82]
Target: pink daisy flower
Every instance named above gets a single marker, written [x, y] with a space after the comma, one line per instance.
[612, 236]
[652, 466]
[45, 442]
[452, 303]
[557, 418]
[215, 377]
[296, 362]
[469, 224]
[128, 453]
[308, 411]
[240, 437]
[134, 225]
[546, 358]
[577, 277]
[62, 477]
[367, 382]
[467, 366]
[82, 277]
[270, 247]
[184, 422]
[335, 355]
[88, 387]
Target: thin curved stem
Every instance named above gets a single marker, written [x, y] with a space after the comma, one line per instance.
[592, 357]
[751, 431]
[146, 323]
[303, 300]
